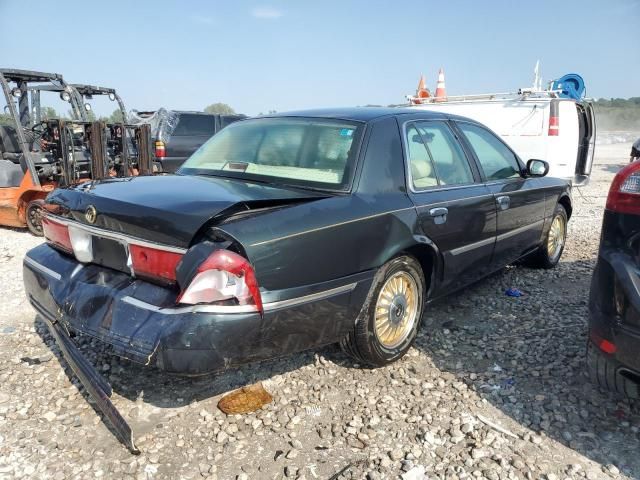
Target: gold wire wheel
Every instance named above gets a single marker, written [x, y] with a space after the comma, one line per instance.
[396, 309]
[556, 237]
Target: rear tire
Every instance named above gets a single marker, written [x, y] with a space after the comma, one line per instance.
[33, 217]
[549, 253]
[603, 371]
[390, 317]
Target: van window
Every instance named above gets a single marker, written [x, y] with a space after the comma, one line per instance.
[190, 124]
[451, 164]
[497, 161]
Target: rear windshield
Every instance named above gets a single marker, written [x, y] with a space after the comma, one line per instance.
[316, 153]
[195, 125]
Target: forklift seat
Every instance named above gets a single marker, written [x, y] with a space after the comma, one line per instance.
[9, 145]
[10, 174]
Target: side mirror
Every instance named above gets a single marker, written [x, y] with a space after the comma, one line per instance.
[537, 168]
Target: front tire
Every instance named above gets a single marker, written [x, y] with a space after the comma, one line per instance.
[390, 317]
[33, 217]
[549, 253]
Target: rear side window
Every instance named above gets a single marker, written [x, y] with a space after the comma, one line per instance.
[195, 125]
[423, 175]
[435, 156]
[451, 164]
[497, 161]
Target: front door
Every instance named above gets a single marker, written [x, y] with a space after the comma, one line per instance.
[520, 201]
[455, 209]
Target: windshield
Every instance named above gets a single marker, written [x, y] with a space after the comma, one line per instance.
[315, 153]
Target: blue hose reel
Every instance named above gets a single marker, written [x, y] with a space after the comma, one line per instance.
[570, 85]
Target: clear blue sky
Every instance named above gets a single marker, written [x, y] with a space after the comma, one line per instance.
[285, 55]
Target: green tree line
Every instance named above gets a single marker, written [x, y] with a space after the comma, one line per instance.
[618, 114]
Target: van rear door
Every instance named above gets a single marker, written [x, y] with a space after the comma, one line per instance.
[586, 142]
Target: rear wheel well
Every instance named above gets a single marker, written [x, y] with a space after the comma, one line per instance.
[565, 201]
[426, 257]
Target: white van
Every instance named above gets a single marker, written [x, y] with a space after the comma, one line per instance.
[536, 124]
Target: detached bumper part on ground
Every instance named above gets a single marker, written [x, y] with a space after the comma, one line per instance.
[99, 389]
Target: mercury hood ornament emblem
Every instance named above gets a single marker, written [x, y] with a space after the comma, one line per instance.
[91, 214]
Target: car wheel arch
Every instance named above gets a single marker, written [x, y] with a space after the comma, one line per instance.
[428, 255]
[565, 201]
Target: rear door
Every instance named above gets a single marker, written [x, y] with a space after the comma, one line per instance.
[520, 201]
[455, 209]
[191, 131]
[586, 141]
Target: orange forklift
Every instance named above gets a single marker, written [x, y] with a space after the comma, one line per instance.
[37, 156]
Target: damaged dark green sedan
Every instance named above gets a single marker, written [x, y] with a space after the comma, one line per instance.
[289, 232]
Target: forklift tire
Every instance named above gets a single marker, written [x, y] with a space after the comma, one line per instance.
[33, 217]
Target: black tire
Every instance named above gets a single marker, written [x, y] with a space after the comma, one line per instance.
[603, 371]
[33, 217]
[542, 258]
[362, 343]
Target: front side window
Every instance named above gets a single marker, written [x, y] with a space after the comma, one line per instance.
[317, 153]
[435, 156]
[496, 160]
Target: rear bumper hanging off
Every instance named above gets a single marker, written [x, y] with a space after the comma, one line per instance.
[93, 382]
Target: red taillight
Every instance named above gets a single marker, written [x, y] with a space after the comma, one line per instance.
[224, 275]
[603, 344]
[154, 263]
[624, 194]
[160, 149]
[554, 126]
[57, 234]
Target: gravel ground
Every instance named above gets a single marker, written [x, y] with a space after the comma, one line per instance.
[517, 363]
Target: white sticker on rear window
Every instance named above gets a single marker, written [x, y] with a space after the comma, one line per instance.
[346, 132]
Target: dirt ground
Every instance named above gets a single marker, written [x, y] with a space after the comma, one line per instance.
[514, 363]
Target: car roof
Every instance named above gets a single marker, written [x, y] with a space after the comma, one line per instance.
[361, 114]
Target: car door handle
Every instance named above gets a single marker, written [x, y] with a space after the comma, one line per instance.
[439, 215]
[503, 202]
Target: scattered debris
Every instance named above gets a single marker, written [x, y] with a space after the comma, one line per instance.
[336, 475]
[496, 427]
[513, 292]
[246, 400]
[313, 410]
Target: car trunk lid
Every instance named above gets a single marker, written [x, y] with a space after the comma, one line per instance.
[170, 209]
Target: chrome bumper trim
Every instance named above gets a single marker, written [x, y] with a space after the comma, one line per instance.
[42, 268]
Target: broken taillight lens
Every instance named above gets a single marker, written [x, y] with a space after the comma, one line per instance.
[224, 275]
[154, 263]
[161, 151]
[57, 234]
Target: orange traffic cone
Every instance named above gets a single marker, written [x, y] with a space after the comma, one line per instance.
[441, 93]
[422, 91]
